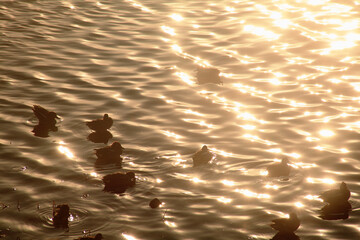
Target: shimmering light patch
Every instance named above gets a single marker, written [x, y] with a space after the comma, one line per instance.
[224, 200]
[274, 150]
[320, 180]
[337, 8]
[196, 26]
[344, 150]
[313, 198]
[128, 237]
[158, 180]
[320, 148]
[295, 155]
[299, 60]
[326, 133]
[248, 127]
[264, 172]
[117, 97]
[304, 165]
[270, 186]
[221, 152]
[334, 80]
[230, 9]
[339, 45]
[356, 86]
[348, 26]
[247, 116]
[196, 180]
[249, 193]
[185, 78]
[270, 36]
[199, 122]
[283, 23]
[317, 2]
[170, 224]
[168, 30]
[189, 111]
[176, 17]
[94, 174]
[139, 6]
[254, 138]
[275, 81]
[65, 150]
[171, 134]
[299, 205]
[228, 183]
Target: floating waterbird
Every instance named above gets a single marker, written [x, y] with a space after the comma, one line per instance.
[119, 182]
[336, 196]
[96, 237]
[279, 169]
[155, 203]
[101, 124]
[286, 225]
[202, 156]
[61, 215]
[208, 75]
[46, 118]
[109, 154]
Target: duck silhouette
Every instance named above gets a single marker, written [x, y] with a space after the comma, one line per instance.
[101, 124]
[286, 225]
[336, 196]
[60, 216]
[279, 169]
[45, 117]
[201, 157]
[47, 121]
[96, 237]
[109, 154]
[118, 182]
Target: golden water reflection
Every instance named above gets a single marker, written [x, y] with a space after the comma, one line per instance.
[249, 193]
[65, 150]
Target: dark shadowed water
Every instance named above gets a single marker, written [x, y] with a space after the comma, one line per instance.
[291, 87]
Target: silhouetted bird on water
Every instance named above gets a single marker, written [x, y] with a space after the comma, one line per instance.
[60, 216]
[338, 206]
[47, 121]
[202, 156]
[109, 154]
[46, 118]
[336, 195]
[96, 237]
[208, 75]
[286, 225]
[101, 124]
[279, 169]
[119, 182]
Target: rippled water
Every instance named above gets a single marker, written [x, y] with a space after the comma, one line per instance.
[290, 88]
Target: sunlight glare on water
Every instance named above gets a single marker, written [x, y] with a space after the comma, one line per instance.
[254, 81]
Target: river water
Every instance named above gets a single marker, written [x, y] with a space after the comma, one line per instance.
[290, 88]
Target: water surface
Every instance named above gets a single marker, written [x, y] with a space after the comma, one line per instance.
[290, 88]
